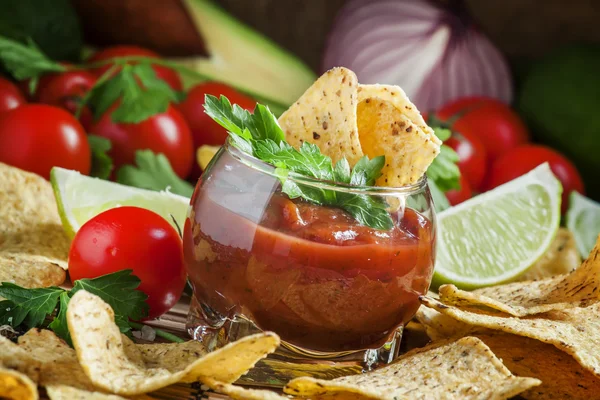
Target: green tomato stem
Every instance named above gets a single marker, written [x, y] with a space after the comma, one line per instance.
[159, 333]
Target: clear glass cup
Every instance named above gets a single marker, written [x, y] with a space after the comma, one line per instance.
[333, 290]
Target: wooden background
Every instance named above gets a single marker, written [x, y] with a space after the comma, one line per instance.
[521, 28]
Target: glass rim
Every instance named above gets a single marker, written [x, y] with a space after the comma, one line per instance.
[269, 169]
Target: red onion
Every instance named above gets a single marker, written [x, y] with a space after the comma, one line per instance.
[434, 52]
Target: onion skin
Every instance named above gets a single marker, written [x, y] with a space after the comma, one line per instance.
[436, 54]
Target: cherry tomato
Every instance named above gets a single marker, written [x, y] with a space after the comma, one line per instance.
[472, 157]
[65, 90]
[204, 129]
[523, 159]
[456, 196]
[137, 239]
[498, 127]
[10, 96]
[165, 133]
[164, 73]
[37, 137]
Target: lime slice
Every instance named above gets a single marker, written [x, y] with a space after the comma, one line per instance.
[498, 235]
[81, 197]
[583, 219]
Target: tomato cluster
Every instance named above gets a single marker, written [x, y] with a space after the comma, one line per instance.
[50, 135]
[39, 130]
[493, 146]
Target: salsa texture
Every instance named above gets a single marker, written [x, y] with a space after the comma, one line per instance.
[310, 273]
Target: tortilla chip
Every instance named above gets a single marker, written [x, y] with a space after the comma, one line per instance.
[58, 361]
[14, 357]
[439, 326]
[575, 332]
[562, 377]
[383, 129]
[16, 386]
[240, 393]
[101, 353]
[579, 288]
[326, 116]
[464, 369]
[561, 258]
[60, 392]
[33, 244]
[396, 96]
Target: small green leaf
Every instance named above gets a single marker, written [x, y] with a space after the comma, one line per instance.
[440, 201]
[11, 314]
[366, 172]
[25, 61]
[443, 133]
[444, 171]
[102, 164]
[119, 291]
[341, 171]
[154, 172]
[35, 303]
[59, 323]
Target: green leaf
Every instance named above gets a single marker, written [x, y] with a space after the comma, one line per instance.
[59, 323]
[366, 209]
[154, 172]
[366, 172]
[442, 133]
[342, 172]
[36, 304]
[136, 90]
[440, 201]
[102, 164]
[10, 314]
[261, 124]
[444, 171]
[24, 61]
[119, 291]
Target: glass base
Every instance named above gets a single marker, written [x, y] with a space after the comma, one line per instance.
[289, 361]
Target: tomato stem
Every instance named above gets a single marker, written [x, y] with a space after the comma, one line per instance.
[159, 332]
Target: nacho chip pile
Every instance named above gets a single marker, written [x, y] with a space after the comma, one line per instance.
[347, 119]
[548, 329]
[33, 245]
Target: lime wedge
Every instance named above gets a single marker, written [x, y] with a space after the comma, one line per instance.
[81, 197]
[583, 219]
[498, 235]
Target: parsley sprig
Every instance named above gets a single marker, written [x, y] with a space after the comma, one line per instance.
[260, 135]
[31, 307]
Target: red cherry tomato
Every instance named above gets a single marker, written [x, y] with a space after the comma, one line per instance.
[137, 239]
[65, 90]
[523, 159]
[165, 133]
[164, 73]
[456, 196]
[10, 96]
[499, 128]
[37, 137]
[204, 129]
[472, 157]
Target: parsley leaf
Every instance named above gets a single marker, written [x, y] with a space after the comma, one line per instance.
[442, 132]
[24, 61]
[444, 171]
[102, 164]
[136, 90]
[59, 323]
[118, 290]
[154, 172]
[31, 305]
[440, 201]
[260, 135]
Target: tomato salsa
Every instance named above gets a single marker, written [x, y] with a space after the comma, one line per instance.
[310, 273]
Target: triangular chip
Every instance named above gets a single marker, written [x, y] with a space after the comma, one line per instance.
[439, 326]
[396, 96]
[15, 385]
[326, 116]
[384, 130]
[240, 393]
[464, 369]
[562, 377]
[14, 357]
[33, 245]
[576, 332]
[101, 352]
[561, 257]
[581, 287]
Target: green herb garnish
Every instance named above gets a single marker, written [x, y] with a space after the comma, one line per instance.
[259, 135]
[102, 164]
[31, 307]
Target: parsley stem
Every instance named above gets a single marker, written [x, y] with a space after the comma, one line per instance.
[103, 78]
[159, 333]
